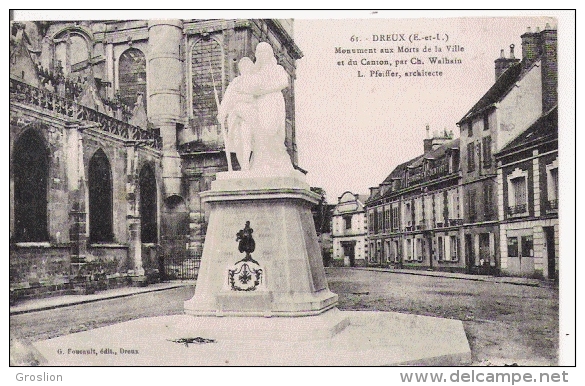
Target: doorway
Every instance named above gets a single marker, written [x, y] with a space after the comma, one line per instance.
[349, 252]
[484, 249]
[549, 234]
[469, 256]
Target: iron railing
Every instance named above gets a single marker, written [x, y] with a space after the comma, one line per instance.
[184, 268]
[47, 100]
[517, 209]
[455, 221]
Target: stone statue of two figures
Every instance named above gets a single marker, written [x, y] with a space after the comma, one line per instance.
[254, 107]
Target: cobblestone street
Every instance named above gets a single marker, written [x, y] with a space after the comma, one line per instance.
[505, 323]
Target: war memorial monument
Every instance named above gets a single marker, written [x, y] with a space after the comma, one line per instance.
[262, 297]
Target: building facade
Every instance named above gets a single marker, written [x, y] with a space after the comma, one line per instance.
[113, 135]
[523, 91]
[415, 215]
[528, 180]
[348, 231]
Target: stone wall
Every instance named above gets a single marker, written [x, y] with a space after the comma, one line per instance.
[53, 265]
[38, 265]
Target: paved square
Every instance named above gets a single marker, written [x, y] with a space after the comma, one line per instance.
[372, 338]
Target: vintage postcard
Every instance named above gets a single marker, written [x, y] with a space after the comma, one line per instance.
[292, 189]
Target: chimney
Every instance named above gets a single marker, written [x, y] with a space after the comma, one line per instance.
[437, 140]
[374, 190]
[503, 63]
[530, 46]
[548, 50]
[428, 141]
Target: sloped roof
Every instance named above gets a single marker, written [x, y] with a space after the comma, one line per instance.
[547, 126]
[441, 150]
[374, 196]
[350, 204]
[347, 196]
[396, 174]
[416, 163]
[398, 171]
[499, 89]
[362, 198]
[433, 154]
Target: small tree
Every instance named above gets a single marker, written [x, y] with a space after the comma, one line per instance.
[319, 210]
[322, 219]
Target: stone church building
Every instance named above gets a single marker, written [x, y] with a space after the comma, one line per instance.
[113, 135]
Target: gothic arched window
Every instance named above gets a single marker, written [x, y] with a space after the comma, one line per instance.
[78, 51]
[207, 58]
[72, 51]
[100, 198]
[31, 172]
[148, 205]
[132, 76]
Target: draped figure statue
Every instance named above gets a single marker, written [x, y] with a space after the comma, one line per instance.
[255, 110]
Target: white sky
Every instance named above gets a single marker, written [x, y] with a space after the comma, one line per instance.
[351, 132]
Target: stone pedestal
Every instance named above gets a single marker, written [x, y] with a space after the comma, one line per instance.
[281, 314]
[283, 277]
[371, 339]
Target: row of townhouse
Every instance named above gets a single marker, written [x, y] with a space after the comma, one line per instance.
[486, 202]
[415, 215]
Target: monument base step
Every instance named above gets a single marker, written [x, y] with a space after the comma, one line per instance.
[370, 339]
[302, 328]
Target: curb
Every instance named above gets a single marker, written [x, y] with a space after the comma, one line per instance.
[471, 278]
[97, 299]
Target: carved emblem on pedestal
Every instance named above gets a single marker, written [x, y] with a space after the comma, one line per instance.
[246, 274]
